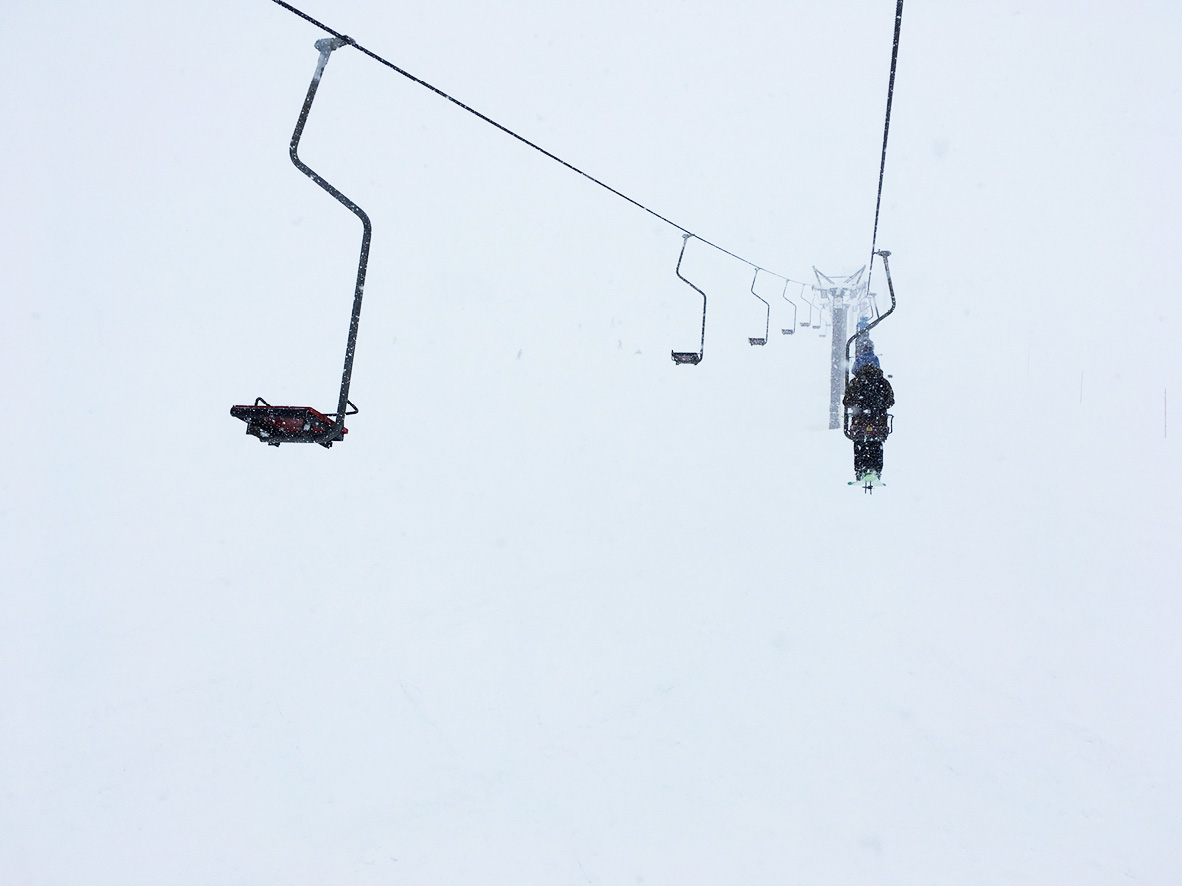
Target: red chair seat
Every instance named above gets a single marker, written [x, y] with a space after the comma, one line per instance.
[287, 424]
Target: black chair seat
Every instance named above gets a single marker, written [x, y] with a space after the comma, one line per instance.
[288, 424]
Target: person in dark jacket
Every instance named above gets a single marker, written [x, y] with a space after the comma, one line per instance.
[868, 395]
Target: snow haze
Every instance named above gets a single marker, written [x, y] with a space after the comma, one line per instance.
[558, 611]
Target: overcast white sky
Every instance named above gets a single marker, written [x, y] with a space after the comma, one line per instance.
[559, 611]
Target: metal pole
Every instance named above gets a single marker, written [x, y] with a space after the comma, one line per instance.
[326, 48]
[691, 357]
[837, 360]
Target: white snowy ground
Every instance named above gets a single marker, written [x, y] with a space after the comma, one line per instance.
[559, 611]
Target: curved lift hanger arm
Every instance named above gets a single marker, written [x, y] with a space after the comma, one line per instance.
[691, 357]
[326, 47]
[767, 319]
[789, 330]
[303, 424]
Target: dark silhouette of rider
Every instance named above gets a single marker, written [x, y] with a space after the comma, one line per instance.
[868, 395]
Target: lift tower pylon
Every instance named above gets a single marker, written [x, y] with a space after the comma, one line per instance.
[839, 293]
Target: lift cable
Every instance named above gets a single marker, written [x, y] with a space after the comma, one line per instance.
[886, 129]
[874, 250]
[541, 150]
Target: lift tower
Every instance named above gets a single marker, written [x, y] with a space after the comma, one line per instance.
[839, 294]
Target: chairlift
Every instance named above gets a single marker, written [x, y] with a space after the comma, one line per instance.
[691, 357]
[303, 424]
[288, 424]
[878, 432]
[865, 304]
[789, 330]
[813, 308]
[833, 289]
[824, 310]
[767, 320]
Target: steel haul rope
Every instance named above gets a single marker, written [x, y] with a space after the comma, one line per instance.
[524, 140]
[886, 129]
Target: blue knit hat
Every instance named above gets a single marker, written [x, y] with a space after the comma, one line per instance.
[865, 355]
[867, 358]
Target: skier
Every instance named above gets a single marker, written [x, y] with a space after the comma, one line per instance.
[864, 348]
[868, 395]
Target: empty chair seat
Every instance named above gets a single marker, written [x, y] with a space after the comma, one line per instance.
[288, 424]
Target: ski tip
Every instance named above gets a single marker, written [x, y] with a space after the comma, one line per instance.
[867, 480]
